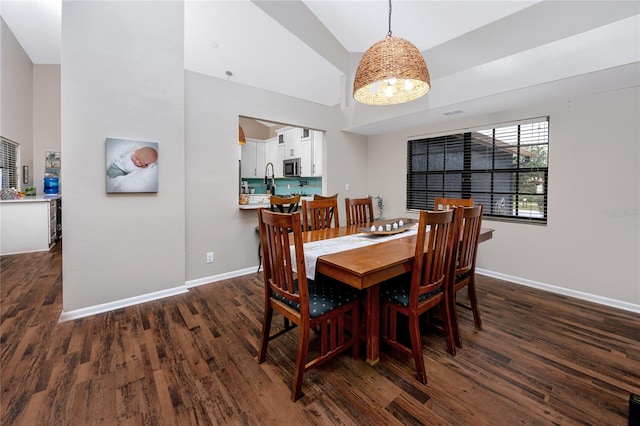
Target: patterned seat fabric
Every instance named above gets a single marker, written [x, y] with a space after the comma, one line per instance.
[398, 292]
[463, 276]
[323, 297]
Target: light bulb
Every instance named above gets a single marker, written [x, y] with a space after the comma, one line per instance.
[389, 90]
[408, 85]
[393, 81]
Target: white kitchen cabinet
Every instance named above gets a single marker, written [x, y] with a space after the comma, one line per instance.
[305, 158]
[261, 150]
[273, 156]
[253, 159]
[28, 224]
[279, 161]
[292, 143]
[305, 144]
[311, 150]
[248, 164]
[317, 147]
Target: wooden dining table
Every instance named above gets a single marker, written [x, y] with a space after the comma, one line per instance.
[366, 267]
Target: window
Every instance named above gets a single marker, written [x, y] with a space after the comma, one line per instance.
[504, 168]
[9, 158]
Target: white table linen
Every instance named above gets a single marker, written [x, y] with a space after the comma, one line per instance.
[314, 249]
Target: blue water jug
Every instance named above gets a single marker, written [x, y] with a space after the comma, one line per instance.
[51, 185]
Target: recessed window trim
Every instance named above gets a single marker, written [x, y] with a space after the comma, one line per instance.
[503, 166]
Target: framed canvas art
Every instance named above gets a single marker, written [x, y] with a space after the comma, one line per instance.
[52, 164]
[132, 166]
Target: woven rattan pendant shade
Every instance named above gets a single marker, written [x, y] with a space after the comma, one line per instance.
[241, 139]
[392, 71]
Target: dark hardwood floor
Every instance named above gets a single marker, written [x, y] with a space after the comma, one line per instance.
[191, 360]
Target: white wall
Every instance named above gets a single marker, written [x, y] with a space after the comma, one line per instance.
[16, 87]
[122, 77]
[214, 222]
[46, 121]
[591, 243]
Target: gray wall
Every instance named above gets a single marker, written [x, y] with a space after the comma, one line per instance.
[122, 77]
[46, 121]
[16, 87]
[591, 244]
[30, 106]
[214, 222]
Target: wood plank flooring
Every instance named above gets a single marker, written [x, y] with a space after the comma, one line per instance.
[541, 359]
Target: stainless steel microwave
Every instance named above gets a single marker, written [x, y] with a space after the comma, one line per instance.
[291, 167]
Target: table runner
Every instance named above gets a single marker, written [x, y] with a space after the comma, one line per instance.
[314, 249]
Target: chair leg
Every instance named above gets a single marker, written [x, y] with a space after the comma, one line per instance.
[416, 348]
[355, 332]
[473, 299]
[266, 329]
[301, 359]
[450, 323]
[384, 323]
[259, 256]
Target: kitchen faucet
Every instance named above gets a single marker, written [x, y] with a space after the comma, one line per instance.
[266, 177]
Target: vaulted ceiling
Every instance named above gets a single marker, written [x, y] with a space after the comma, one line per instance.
[483, 56]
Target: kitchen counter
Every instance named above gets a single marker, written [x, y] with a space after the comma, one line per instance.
[261, 201]
[33, 199]
[30, 223]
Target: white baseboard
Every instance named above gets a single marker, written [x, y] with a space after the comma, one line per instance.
[106, 307]
[565, 292]
[220, 277]
[123, 303]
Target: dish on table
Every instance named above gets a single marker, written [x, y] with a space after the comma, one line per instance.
[403, 224]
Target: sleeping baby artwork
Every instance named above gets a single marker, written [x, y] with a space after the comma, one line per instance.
[132, 166]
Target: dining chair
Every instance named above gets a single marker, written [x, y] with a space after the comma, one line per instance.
[448, 203]
[326, 197]
[320, 214]
[359, 210]
[282, 205]
[426, 288]
[464, 266]
[330, 308]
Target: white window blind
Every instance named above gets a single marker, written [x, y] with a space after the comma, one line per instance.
[9, 159]
[503, 167]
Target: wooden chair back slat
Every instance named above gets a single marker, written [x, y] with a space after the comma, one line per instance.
[284, 204]
[324, 197]
[470, 234]
[359, 210]
[278, 271]
[449, 203]
[431, 261]
[320, 214]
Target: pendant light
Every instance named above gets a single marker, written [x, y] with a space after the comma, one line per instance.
[241, 139]
[392, 71]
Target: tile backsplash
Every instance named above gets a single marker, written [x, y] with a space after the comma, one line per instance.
[289, 186]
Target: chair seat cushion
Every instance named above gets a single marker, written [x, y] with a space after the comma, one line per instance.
[324, 296]
[397, 291]
[463, 276]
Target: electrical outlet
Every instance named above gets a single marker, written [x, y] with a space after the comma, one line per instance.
[346, 186]
[210, 257]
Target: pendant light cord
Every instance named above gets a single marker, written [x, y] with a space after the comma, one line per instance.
[389, 33]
